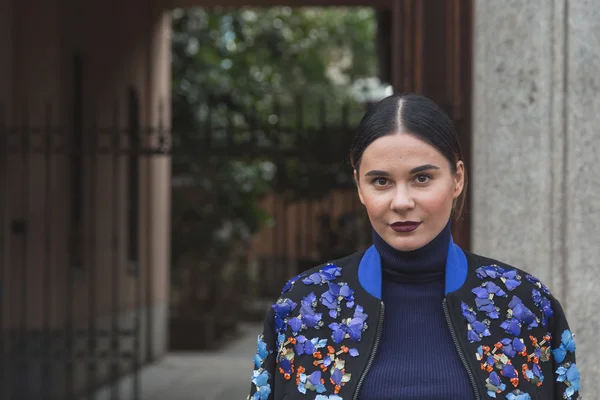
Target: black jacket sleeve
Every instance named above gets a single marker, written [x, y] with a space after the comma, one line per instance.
[564, 367]
[264, 362]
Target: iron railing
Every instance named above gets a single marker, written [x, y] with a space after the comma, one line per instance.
[74, 291]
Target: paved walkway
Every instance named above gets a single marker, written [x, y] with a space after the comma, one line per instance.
[222, 375]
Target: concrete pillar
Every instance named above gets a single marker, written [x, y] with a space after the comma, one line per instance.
[536, 190]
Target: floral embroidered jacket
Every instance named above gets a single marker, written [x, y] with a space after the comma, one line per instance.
[321, 336]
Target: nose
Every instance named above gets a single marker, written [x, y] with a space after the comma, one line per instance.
[402, 200]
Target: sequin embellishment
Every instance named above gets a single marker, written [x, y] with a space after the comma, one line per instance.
[510, 278]
[476, 329]
[333, 297]
[307, 317]
[567, 372]
[518, 316]
[485, 298]
[543, 304]
[325, 364]
[351, 328]
[518, 395]
[509, 358]
[260, 376]
[537, 283]
[569, 375]
[567, 344]
[328, 273]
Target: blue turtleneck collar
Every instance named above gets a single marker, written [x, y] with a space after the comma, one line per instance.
[456, 266]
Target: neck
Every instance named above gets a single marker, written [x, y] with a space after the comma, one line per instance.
[423, 263]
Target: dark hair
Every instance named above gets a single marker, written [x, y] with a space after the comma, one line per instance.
[416, 115]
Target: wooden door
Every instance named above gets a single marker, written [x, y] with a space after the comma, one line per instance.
[430, 53]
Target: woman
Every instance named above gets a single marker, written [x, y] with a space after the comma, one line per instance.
[415, 316]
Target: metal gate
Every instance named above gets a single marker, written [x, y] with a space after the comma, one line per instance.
[315, 216]
[74, 274]
[71, 275]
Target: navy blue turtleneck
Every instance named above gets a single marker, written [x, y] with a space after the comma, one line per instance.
[416, 358]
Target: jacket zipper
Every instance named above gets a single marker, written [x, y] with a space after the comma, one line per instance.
[372, 357]
[460, 352]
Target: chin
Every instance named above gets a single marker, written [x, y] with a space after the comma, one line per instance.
[407, 243]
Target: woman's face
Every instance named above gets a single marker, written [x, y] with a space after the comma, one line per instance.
[408, 189]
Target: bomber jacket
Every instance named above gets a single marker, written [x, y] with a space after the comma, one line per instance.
[321, 336]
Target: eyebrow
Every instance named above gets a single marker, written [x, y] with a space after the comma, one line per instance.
[423, 168]
[376, 172]
[415, 170]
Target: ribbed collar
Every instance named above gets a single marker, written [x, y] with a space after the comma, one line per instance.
[425, 264]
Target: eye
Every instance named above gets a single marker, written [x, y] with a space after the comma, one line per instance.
[380, 181]
[422, 179]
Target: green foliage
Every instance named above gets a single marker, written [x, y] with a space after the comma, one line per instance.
[246, 78]
[250, 53]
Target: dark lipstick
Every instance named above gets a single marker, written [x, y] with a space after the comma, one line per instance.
[404, 227]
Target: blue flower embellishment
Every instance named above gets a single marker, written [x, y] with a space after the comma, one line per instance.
[489, 271]
[509, 277]
[569, 375]
[283, 308]
[261, 352]
[337, 376]
[307, 317]
[567, 344]
[494, 385]
[328, 273]
[537, 283]
[518, 316]
[518, 395]
[286, 363]
[312, 382]
[261, 380]
[533, 375]
[476, 329]
[489, 289]
[333, 297]
[485, 298]
[509, 371]
[305, 346]
[481, 353]
[260, 377]
[331, 397]
[350, 327]
[541, 349]
[513, 347]
[544, 305]
[291, 283]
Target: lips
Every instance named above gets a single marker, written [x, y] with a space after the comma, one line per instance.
[404, 227]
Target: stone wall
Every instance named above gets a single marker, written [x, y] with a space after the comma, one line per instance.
[536, 179]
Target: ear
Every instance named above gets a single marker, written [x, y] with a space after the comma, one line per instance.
[459, 179]
[357, 181]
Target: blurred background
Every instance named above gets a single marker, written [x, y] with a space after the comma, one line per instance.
[168, 165]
